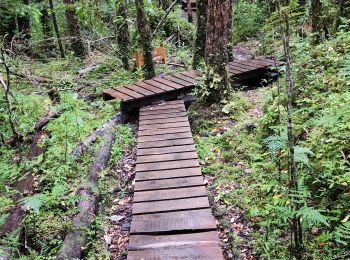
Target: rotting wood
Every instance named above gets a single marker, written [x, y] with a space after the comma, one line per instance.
[77, 238]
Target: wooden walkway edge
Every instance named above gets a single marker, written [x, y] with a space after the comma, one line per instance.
[171, 216]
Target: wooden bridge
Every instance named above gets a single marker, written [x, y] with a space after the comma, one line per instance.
[171, 216]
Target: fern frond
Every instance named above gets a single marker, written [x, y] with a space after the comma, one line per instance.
[34, 202]
[342, 234]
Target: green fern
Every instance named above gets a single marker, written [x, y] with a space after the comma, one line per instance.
[311, 216]
[276, 143]
[34, 202]
[342, 234]
[301, 154]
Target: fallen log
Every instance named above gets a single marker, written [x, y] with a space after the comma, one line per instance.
[84, 145]
[77, 238]
[43, 121]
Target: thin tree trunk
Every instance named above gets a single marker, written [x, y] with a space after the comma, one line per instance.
[74, 29]
[316, 25]
[123, 37]
[55, 26]
[145, 37]
[216, 48]
[297, 249]
[199, 47]
[24, 29]
[189, 11]
[165, 4]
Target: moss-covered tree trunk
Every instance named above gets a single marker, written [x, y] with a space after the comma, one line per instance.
[189, 11]
[199, 47]
[145, 37]
[55, 26]
[216, 48]
[123, 37]
[74, 29]
[316, 25]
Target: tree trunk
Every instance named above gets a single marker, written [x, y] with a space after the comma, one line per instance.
[55, 26]
[165, 4]
[189, 11]
[48, 44]
[77, 239]
[216, 47]
[123, 37]
[145, 37]
[74, 29]
[24, 30]
[297, 248]
[199, 47]
[316, 26]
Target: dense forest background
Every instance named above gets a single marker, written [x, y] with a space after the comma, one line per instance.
[56, 58]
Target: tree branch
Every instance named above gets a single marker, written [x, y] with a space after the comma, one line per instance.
[163, 18]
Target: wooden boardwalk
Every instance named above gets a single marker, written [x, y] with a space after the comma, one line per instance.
[161, 88]
[171, 216]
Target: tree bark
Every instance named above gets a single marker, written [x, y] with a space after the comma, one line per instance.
[57, 32]
[199, 47]
[74, 29]
[123, 36]
[145, 37]
[189, 11]
[77, 238]
[24, 29]
[316, 26]
[297, 248]
[216, 47]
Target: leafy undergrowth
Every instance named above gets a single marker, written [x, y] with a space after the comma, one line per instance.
[246, 163]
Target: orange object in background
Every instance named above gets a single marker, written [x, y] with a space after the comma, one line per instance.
[159, 56]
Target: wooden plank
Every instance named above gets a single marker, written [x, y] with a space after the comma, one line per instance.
[159, 85]
[171, 149]
[176, 214]
[168, 111]
[130, 93]
[168, 174]
[162, 137]
[170, 205]
[168, 83]
[166, 157]
[163, 120]
[246, 66]
[117, 95]
[140, 90]
[254, 65]
[234, 67]
[149, 87]
[162, 107]
[169, 183]
[164, 126]
[179, 81]
[139, 242]
[202, 252]
[165, 143]
[165, 131]
[170, 225]
[183, 77]
[190, 75]
[159, 116]
[178, 193]
[144, 167]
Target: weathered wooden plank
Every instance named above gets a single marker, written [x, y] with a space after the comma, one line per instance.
[169, 115]
[164, 126]
[179, 81]
[246, 66]
[202, 252]
[149, 87]
[130, 93]
[170, 205]
[168, 174]
[234, 67]
[171, 149]
[161, 226]
[169, 183]
[144, 167]
[168, 83]
[165, 131]
[166, 157]
[117, 95]
[158, 85]
[163, 120]
[140, 90]
[177, 193]
[161, 107]
[183, 77]
[254, 65]
[140, 242]
[162, 137]
[168, 111]
[190, 74]
[165, 143]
